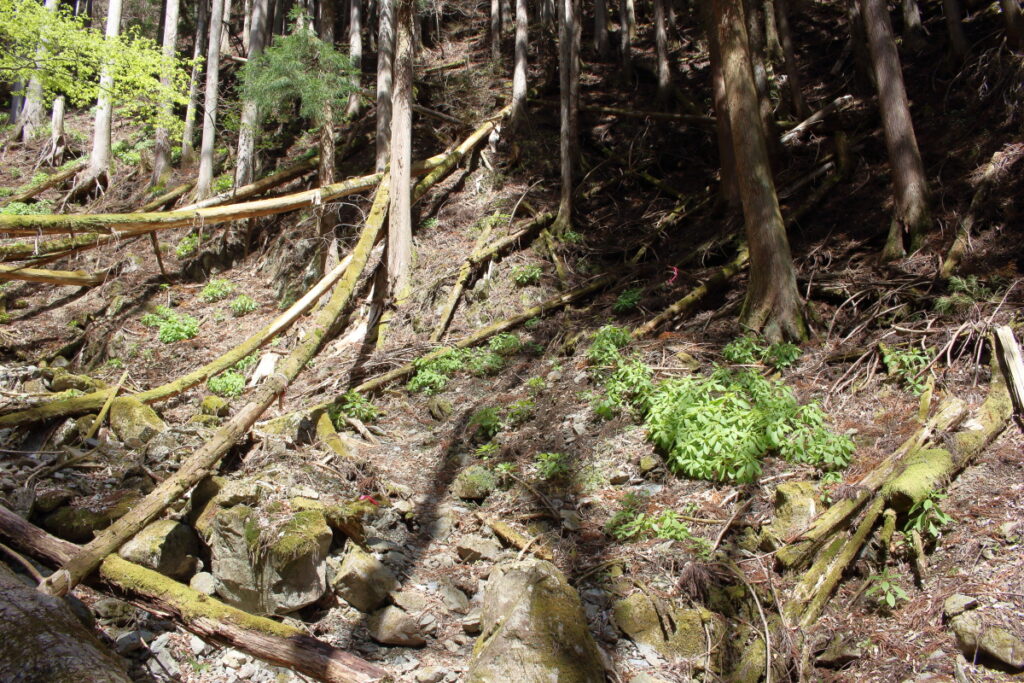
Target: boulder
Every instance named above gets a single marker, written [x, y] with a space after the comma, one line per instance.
[132, 419]
[81, 518]
[796, 505]
[533, 629]
[638, 617]
[980, 641]
[214, 406]
[166, 546]
[63, 381]
[394, 626]
[474, 483]
[475, 548]
[362, 580]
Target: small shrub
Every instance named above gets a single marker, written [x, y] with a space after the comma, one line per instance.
[480, 363]
[187, 246]
[524, 276]
[246, 362]
[506, 344]
[551, 465]
[749, 350]
[486, 450]
[40, 207]
[520, 412]
[964, 292]
[215, 290]
[6, 191]
[487, 423]
[229, 384]
[171, 326]
[885, 587]
[243, 304]
[926, 517]
[906, 365]
[429, 223]
[223, 183]
[357, 406]
[535, 385]
[604, 349]
[627, 301]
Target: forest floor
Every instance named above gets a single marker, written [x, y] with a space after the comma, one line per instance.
[413, 453]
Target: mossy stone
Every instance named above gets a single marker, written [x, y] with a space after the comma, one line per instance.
[63, 380]
[474, 483]
[797, 503]
[203, 420]
[132, 419]
[638, 617]
[215, 406]
[79, 521]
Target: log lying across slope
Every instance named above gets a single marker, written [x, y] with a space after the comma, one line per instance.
[264, 638]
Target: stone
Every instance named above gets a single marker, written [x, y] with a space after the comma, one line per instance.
[440, 408]
[204, 582]
[471, 623]
[234, 659]
[77, 521]
[646, 678]
[430, 674]
[838, 653]
[214, 406]
[453, 598]
[648, 463]
[198, 646]
[474, 483]
[206, 421]
[113, 611]
[130, 418]
[533, 629]
[475, 548]
[394, 626]
[975, 638]
[618, 478]
[165, 546]
[796, 505]
[957, 604]
[410, 600]
[362, 580]
[64, 380]
[638, 617]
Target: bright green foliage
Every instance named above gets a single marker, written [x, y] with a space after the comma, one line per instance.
[171, 326]
[187, 246]
[223, 183]
[432, 376]
[242, 304]
[604, 350]
[964, 292]
[23, 209]
[520, 412]
[131, 155]
[485, 451]
[487, 422]
[926, 517]
[216, 289]
[299, 67]
[481, 363]
[630, 523]
[551, 465]
[885, 587]
[627, 301]
[229, 383]
[505, 344]
[66, 58]
[906, 364]
[751, 351]
[536, 385]
[355, 405]
[524, 276]
[246, 362]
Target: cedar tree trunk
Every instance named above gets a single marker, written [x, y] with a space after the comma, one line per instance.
[205, 181]
[400, 208]
[245, 159]
[385, 57]
[162, 148]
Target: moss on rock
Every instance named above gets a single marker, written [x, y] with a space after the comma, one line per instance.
[79, 521]
[130, 418]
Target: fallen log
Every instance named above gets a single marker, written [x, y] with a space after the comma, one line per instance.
[306, 164]
[167, 198]
[1013, 366]
[830, 108]
[50, 181]
[79, 278]
[203, 461]
[207, 617]
[460, 281]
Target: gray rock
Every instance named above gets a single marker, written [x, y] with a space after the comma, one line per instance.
[474, 483]
[204, 582]
[130, 418]
[234, 659]
[838, 653]
[974, 638]
[113, 611]
[534, 629]
[198, 645]
[411, 601]
[430, 674]
[453, 598]
[796, 505]
[363, 581]
[957, 604]
[474, 548]
[394, 626]
[471, 623]
[165, 546]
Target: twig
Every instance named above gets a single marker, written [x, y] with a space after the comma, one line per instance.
[721, 534]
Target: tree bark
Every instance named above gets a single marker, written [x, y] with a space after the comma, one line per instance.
[162, 148]
[911, 217]
[385, 57]
[519, 71]
[205, 181]
[865, 77]
[728, 186]
[661, 48]
[913, 30]
[955, 28]
[188, 150]
[793, 80]
[772, 305]
[754, 15]
[326, 217]
[601, 45]
[57, 148]
[399, 249]
[772, 43]
[245, 159]
[626, 31]
[1014, 23]
[568, 146]
[495, 30]
[225, 33]
[355, 52]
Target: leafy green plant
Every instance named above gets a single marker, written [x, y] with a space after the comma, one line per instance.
[429, 223]
[535, 385]
[246, 362]
[748, 350]
[357, 406]
[885, 587]
[187, 246]
[6, 191]
[603, 351]
[42, 206]
[964, 292]
[907, 365]
[520, 412]
[627, 301]
[487, 423]
[171, 326]
[242, 304]
[483, 363]
[432, 375]
[926, 517]
[485, 451]
[216, 289]
[223, 183]
[527, 275]
[551, 465]
[631, 523]
[229, 383]
[505, 344]
[505, 468]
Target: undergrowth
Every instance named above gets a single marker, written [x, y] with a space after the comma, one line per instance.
[171, 326]
[431, 376]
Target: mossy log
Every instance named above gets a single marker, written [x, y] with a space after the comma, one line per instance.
[264, 638]
[460, 281]
[51, 180]
[168, 198]
[202, 462]
[641, 114]
[687, 303]
[799, 552]
[307, 163]
[506, 533]
[79, 278]
[329, 437]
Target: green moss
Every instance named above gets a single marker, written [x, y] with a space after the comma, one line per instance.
[300, 536]
[925, 471]
[214, 405]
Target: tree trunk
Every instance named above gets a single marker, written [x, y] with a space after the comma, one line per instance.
[245, 159]
[247, 12]
[162, 148]
[400, 210]
[96, 176]
[601, 45]
[631, 19]
[911, 217]
[495, 30]
[626, 31]
[225, 33]
[955, 28]
[752, 12]
[661, 46]
[326, 217]
[355, 52]
[728, 187]
[519, 71]
[1014, 24]
[31, 117]
[865, 77]
[913, 30]
[58, 146]
[205, 181]
[188, 150]
[793, 80]
[385, 57]
[772, 42]
[568, 69]
[772, 305]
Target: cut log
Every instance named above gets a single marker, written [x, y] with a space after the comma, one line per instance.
[79, 278]
[203, 461]
[50, 181]
[266, 639]
[306, 164]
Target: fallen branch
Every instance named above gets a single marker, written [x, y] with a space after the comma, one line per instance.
[78, 278]
[50, 181]
[460, 282]
[167, 198]
[203, 461]
[269, 640]
[1013, 366]
[516, 539]
[832, 107]
[306, 164]
[637, 113]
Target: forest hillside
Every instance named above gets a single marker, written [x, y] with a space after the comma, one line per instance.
[536, 341]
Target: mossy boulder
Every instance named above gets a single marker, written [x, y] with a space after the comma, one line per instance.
[474, 483]
[675, 633]
[362, 580]
[166, 546]
[214, 406]
[130, 419]
[62, 380]
[533, 629]
[797, 503]
[208, 421]
[81, 518]
[978, 640]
